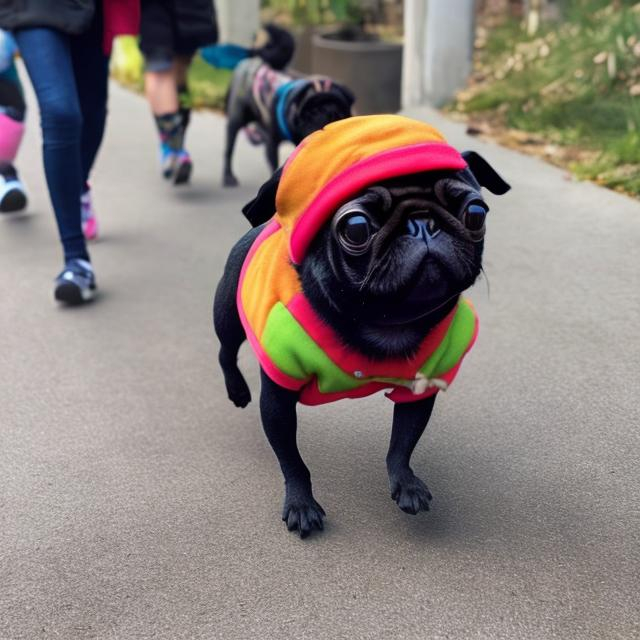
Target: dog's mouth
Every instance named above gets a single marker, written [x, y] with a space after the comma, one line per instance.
[407, 317]
[424, 293]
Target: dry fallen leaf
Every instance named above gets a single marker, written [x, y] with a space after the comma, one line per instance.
[600, 58]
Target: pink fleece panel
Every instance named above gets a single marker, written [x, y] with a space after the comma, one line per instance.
[312, 396]
[349, 360]
[426, 156]
[10, 136]
[270, 368]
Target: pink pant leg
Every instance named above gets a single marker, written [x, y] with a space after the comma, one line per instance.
[10, 136]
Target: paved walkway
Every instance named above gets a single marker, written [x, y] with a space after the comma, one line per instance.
[136, 502]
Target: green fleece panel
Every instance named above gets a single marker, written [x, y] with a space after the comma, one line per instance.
[293, 351]
[455, 343]
[296, 354]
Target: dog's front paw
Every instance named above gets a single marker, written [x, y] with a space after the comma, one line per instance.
[410, 493]
[302, 514]
[229, 180]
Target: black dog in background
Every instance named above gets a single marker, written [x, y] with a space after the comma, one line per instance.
[387, 268]
[276, 104]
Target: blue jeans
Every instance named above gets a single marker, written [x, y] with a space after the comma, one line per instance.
[69, 75]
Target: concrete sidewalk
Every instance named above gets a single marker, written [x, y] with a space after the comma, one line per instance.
[137, 502]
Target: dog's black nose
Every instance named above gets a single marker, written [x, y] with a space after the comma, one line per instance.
[422, 228]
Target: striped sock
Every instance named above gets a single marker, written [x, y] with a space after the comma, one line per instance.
[171, 130]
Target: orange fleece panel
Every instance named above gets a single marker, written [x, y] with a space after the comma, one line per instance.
[269, 279]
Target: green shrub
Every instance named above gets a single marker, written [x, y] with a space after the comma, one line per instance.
[577, 82]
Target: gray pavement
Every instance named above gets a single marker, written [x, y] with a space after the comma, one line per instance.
[136, 502]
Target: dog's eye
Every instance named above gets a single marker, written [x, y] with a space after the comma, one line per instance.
[357, 230]
[474, 217]
[356, 233]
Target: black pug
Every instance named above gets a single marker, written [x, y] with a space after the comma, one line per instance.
[363, 269]
[276, 105]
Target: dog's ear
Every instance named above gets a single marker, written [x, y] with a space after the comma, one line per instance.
[484, 174]
[263, 206]
[346, 93]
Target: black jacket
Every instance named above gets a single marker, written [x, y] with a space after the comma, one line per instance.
[68, 16]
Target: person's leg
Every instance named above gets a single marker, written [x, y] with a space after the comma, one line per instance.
[165, 87]
[160, 87]
[91, 70]
[13, 195]
[47, 56]
[162, 94]
[166, 68]
[182, 64]
[157, 46]
[181, 70]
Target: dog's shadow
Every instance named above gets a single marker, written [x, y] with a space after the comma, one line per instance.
[481, 492]
[205, 193]
[477, 497]
[197, 193]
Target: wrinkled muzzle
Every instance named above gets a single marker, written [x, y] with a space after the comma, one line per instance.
[369, 222]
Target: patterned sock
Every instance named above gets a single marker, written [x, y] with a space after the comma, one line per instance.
[171, 130]
[184, 99]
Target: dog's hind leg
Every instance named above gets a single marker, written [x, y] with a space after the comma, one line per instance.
[300, 512]
[409, 422]
[226, 321]
[231, 334]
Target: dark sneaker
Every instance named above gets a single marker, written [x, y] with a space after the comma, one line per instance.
[76, 284]
[13, 196]
[183, 168]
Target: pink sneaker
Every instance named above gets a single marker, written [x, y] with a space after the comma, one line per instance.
[89, 220]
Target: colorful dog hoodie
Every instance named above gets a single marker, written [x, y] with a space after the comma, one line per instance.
[295, 347]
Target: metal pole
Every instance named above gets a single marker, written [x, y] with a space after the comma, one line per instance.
[438, 49]
[413, 55]
[238, 20]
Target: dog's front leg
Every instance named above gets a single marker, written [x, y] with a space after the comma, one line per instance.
[271, 151]
[278, 411]
[234, 124]
[409, 422]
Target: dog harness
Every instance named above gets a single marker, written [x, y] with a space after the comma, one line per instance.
[282, 101]
[295, 347]
[287, 93]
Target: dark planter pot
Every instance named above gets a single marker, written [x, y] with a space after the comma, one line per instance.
[372, 69]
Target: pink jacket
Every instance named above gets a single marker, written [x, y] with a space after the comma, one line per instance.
[121, 17]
